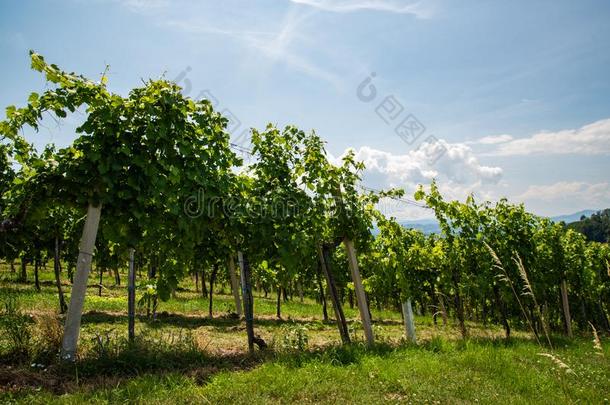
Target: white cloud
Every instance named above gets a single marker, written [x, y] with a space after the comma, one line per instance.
[458, 164]
[458, 173]
[594, 193]
[565, 197]
[345, 6]
[591, 139]
[493, 139]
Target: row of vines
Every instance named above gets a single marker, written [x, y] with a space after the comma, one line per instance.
[151, 179]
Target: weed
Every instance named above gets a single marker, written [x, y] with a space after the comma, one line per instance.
[16, 326]
[294, 338]
[48, 338]
[436, 345]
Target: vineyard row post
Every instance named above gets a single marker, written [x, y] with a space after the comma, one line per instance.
[407, 312]
[79, 287]
[360, 294]
[131, 296]
[234, 285]
[247, 297]
[332, 289]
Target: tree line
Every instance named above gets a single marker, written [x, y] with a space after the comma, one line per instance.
[596, 227]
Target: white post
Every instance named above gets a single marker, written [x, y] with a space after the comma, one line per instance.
[234, 285]
[79, 287]
[360, 296]
[407, 312]
[247, 296]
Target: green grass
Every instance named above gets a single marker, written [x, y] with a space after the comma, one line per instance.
[471, 372]
[185, 357]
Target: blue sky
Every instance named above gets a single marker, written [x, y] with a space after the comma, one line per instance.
[515, 94]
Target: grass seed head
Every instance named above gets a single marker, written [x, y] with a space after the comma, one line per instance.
[558, 362]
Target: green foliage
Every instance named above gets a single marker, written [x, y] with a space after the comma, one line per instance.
[141, 157]
[294, 337]
[548, 251]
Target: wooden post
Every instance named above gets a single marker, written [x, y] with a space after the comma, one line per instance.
[441, 304]
[566, 307]
[332, 289]
[407, 312]
[360, 295]
[131, 296]
[322, 294]
[300, 288]
[24, 269]
[244, 267]
[117, 275]
[36, 279]
[79, 286]
[212, 281]
[204, 290]
[459, 303]
[234, 285]
[56, 269]
[278, 305]
[101, 271]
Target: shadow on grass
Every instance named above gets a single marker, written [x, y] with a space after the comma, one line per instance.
[119, 365]
[115, 361]
[121, 361]
[222, 323]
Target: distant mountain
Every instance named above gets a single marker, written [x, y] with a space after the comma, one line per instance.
[573, 217]
[427, 226]
[430, 225]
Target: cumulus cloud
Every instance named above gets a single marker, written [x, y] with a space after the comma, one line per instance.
[591, 139]
[458, 164]
[345, 6]
[457, 171]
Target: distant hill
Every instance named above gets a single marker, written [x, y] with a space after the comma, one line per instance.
[596, 227]
[427, 226]
[430, 225]
[569, 218]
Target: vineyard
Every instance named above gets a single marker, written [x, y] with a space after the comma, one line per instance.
[149, 248]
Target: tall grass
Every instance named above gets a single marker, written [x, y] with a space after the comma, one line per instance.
[597, 343]
[528, 290]
[503, 276]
